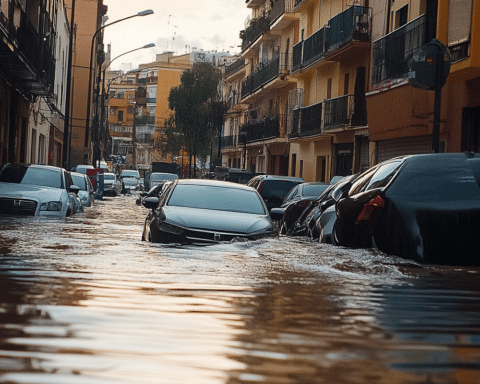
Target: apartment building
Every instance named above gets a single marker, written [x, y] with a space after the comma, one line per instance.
[33, 68]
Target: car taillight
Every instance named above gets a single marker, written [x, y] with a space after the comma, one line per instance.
[260, 187]
[371, 208]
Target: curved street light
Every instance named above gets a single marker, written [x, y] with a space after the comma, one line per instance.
[89, 94]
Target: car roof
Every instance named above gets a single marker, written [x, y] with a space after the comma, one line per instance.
[30, 165]
[278, 177]
[212, 183]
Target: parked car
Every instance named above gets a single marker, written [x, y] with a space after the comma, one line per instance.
[421, 207]
[111, 185]
[324, 225]
[85, 193]
[157, 177]
[130, 184]
[37, 190]
[206, 211]
[153, 192]
[294, 204]
[307, 223]
[130, 173]
[81, 168]
[273, 189]
[235, 175]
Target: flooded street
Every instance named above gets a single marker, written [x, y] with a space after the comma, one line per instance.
[84, 300]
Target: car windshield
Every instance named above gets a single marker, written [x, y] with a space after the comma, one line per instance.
[217, 198]
[314, 189]
[31, 175]
[130, 174]
[79, 181]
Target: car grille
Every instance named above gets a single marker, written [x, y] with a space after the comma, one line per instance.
[195, 235]
[17, 206]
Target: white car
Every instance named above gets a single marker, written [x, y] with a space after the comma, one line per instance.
[37, 190]
[85, 193]
[130, 173]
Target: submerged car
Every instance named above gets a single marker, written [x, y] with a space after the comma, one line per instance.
[111, 185]
[421, 207]
[85, 194]
[274, 188]
[158, 177]
[294, 204]
[37, 190]
[206, 211]
[130, 184]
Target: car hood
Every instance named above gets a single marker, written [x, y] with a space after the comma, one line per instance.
[221, 221]
[32, 192]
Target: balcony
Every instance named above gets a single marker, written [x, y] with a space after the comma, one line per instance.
[145, 120]
[338, 112]
[26, 53]
[229, 141]
[307, 121]
[392, 52]
[234, 67]
[281, 15]
[233, 99]
[351, 25]
[151, 99]
[266, 73]
[259, 130]
[256, 29]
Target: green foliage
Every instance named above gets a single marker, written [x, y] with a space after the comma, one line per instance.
[192, 103]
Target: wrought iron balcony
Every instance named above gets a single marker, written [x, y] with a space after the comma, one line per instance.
[259, 130]
[264, 74]
[145, 120]
[280, 7]
[27, 52]
[256, 28]
[338, 111]
[234, 67]
[308, 120]
[229, 141]
[354, 23]
[392, 52]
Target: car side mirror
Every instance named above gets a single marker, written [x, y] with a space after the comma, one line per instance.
[74, 189]
[277, 214]
[150, 202]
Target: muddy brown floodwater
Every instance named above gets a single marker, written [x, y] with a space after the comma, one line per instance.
[84, 300]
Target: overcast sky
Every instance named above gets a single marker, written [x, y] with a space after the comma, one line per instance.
[176, 25]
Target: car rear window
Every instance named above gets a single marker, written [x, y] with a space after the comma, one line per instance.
[277, 189]
[217, 198]
[79, 181]
[30, 175]
[314, 190]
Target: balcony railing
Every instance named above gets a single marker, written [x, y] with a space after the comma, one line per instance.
[145, 120]
[258, 130]
[229, 141]
[280, 7]
[234, 67]
[151, 99]
[392, 52]
[352, 24]
[265, 73]
[233, 98]
[338, 111]
[256, 28]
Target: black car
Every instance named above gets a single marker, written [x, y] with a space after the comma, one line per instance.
[206, 211]
[273, 188]
[295, 202]
[305, 225]
[421, 207]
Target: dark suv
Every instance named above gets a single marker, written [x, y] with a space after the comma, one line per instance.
[274, 188]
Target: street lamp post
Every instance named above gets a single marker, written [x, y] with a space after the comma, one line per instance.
[89, 93]
[95, 135]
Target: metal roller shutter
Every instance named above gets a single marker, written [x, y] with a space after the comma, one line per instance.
[387, 149]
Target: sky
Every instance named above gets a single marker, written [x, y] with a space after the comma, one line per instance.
[176, 25]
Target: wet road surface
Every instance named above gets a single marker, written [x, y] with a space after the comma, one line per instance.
[84, 300]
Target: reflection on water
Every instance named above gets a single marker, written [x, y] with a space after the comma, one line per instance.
[83, 300]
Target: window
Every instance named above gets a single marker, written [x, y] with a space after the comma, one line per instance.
[346, 83]
[329, 88]
[401, 17]
[294, 164]
[120, 116]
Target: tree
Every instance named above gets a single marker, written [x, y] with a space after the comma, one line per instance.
[192, 102]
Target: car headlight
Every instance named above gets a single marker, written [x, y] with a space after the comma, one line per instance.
[170, 228]
[51, 206]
